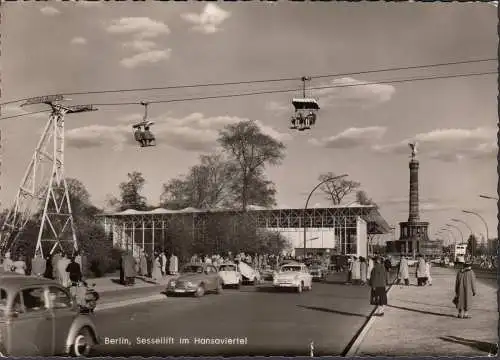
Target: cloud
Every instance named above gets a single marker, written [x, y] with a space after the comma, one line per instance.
[143, 58]
[195, 132]
[89, 3]
[351, 92]
[49, 11]
[209, 20]
[79, 40]
[352, 138]
[140, 45]
[139, 27]
[449, 145]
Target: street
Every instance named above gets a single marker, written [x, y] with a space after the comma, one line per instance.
[267, 322]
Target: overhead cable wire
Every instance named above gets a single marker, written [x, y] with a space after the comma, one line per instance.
[264, 92]
[199, 85]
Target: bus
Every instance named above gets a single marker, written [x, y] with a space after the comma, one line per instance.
[460, 251]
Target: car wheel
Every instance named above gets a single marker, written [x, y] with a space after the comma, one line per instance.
[299, 288]
[219, 287]
[200, 291]
[84, 342]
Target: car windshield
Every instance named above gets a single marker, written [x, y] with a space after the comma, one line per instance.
[290, 268]
[192, 269]
[227, 268]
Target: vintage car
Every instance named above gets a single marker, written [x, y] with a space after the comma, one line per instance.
[38, 317]
[196, 279]
[293, 275]
[267, 273]
[230, 275]
[248, 273]
[317, 271]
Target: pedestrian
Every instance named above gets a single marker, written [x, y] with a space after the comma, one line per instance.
[55, 260]
[8, 264]
[20, 265]
[363, 269]
[157, 275]
[143, 264]
[403, 271]
[420, 271]
[465, 289]
[129, 269]
[369, 268]
[173, 266]
[377, 284]
[349, 270]
[48, 267]
[428, 272]
[62, 274]
[122, 269]
[74, 272]
[38, 266]
[388, 267]
[163, 263]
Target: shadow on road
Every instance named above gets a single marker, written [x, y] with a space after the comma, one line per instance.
[490, 348]
[331, 311]
[421, 311]
[142, 279]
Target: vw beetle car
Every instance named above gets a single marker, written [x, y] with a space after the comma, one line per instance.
[293, 275]
[196, 279]
[230, 275]
[39, 318]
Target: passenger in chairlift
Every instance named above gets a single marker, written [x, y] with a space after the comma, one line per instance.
[148, 136]
[139, 136]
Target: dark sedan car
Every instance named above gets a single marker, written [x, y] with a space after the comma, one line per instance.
[196, 279]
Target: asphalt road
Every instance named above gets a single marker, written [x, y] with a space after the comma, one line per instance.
[268, 322]
[128, 293]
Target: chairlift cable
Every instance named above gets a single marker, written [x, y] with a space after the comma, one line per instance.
[199, 85]
[395, 81]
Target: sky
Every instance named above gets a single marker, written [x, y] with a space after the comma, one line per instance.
[362, 131]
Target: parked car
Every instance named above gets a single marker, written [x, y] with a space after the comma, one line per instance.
[249, 274]
[196, 279]
[267, 273]
[317, 271]
[230, 275]
[38, 317]
[293, 275]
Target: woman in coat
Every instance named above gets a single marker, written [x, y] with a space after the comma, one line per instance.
[173, 265]
[404, 272]
[428, 272]
[143, 264]
[369, 268]
[465, 289]
[157, 276]
[421, 278]
[377, 283]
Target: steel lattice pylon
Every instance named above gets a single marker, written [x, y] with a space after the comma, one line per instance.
[49, 188]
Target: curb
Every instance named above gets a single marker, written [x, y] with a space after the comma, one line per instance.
[358, 340]
[123, 303]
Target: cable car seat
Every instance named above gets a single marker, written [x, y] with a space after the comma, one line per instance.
[148, 136]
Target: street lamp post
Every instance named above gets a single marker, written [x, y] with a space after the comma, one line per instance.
[460, 231]
[307, 203]
[485, 225]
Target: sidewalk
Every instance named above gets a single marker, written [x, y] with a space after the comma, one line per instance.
[112, 283]
[422, 321]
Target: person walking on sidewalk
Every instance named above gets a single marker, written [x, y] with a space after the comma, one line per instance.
[363, 267]
[356, 271]
[465, 289]
[428, 272]
[377, 283]
[420, 275]
[369, 268]
[404, 272]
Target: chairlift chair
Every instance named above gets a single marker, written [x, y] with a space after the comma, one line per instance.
[305, 113]
[142, 132]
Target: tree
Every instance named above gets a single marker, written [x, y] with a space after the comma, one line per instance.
[472, 245]
[206, 186]
[252, 150]
[260, 191]
[363, 199]
[130, 193]
[336, 190]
